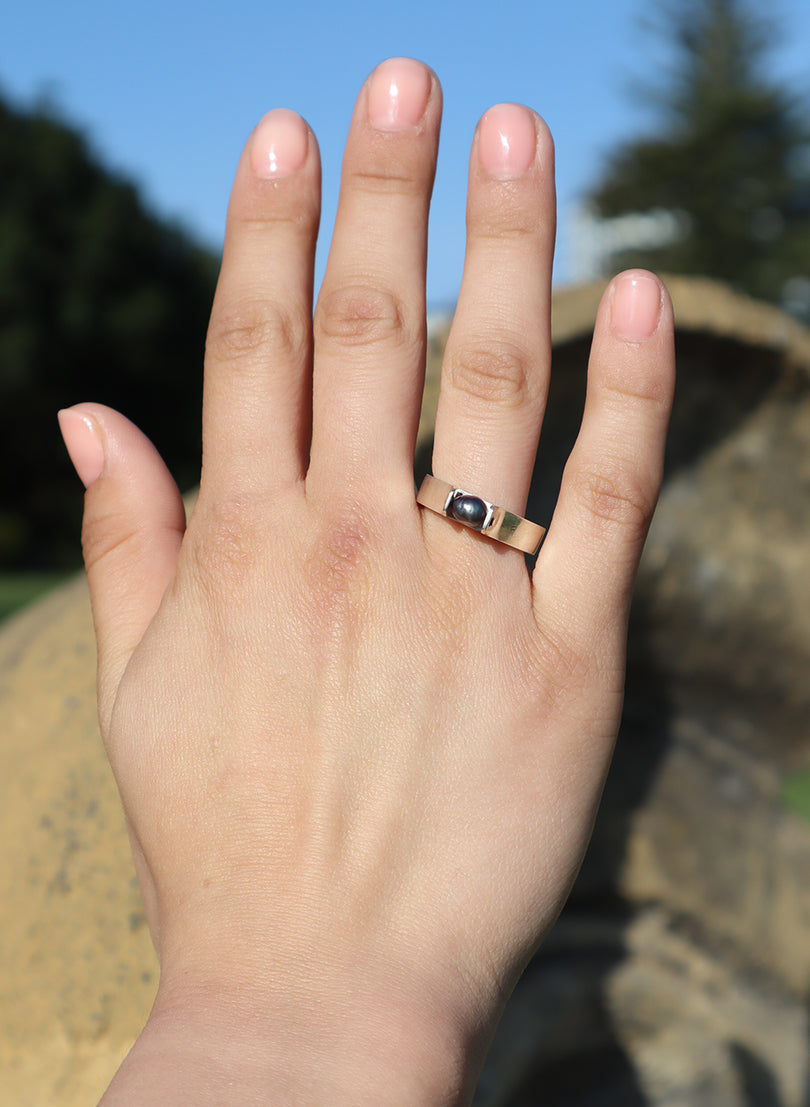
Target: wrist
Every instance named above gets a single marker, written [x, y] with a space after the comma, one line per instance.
[360, 1047]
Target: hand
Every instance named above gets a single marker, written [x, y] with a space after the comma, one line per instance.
[359, 747]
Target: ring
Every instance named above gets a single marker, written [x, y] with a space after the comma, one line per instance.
[478, 514]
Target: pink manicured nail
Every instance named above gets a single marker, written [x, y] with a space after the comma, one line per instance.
[636, 306]
[398, 94]
[507, 141]
[84, 444]
[279, 145]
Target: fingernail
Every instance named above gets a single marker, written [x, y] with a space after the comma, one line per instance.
[398, 94]
[507, 141]
[636, 307]
[279, 145]
[84, 445]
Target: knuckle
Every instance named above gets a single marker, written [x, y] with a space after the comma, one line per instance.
[508, 222]
[562, 659]
[494, 374]
[103, 537]
[618, 498]
[224, 546]
[650, 390]
[385, 179]
[452, 601]
[563, 665]
[337, 571]
[359, 315]
[245, 335]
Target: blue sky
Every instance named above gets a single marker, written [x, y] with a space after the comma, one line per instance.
[168, 90]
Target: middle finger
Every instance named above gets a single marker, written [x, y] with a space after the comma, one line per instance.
[370, 318]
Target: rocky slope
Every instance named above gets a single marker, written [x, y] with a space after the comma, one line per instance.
[680, 971]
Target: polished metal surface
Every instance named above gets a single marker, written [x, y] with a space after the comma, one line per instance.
[498, 523]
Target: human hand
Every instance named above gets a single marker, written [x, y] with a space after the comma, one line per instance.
[359, 747]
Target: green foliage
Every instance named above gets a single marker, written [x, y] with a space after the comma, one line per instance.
[100, 301]
[796, 793]
[731, 157]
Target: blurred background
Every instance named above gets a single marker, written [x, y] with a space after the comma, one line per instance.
[122, 125]
[680, 972]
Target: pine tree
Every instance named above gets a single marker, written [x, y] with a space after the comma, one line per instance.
[731, 159]
[100, 300]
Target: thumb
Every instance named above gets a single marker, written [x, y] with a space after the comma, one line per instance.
[133, 525]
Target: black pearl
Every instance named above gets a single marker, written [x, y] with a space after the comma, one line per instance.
[469, 510]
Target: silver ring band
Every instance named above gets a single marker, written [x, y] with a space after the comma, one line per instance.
[478, 514]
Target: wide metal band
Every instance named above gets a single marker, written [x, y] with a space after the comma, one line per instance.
[478, 514]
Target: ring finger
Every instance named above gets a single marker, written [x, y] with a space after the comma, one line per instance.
[496, 364]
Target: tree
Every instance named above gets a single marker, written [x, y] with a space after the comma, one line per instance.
[731, 159]
[98, 300]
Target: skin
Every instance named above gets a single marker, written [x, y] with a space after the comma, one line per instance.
[360, 749]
